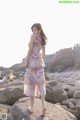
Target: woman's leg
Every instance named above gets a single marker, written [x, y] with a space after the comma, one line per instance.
[32, 102]
[43, 106]
[43, 93]
[43, 102]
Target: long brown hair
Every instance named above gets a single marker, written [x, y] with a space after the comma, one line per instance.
[42, 34]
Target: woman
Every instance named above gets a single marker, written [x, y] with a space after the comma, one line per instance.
[34, 79]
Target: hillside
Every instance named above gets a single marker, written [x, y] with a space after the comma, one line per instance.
[64, 59]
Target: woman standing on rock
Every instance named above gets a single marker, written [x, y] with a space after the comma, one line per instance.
[34, 80]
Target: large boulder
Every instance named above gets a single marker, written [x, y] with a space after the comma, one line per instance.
[77, 83]
[74, 101]
[9, 116]
[54, 112]
[76, 95]
[17, 82]
[66, 87]
[55, 94]
[77, 111]
[5, 108]
[64, 57]
[52, 83]
[58, 68]
[11, 94]
[72, 91]
[68, 104]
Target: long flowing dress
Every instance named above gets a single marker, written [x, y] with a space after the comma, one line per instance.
[34, 79]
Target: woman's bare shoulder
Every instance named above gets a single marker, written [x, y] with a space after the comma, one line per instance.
[31, 40]
[33, 36]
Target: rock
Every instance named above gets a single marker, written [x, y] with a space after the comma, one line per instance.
[76, 95]
[18, 67]
[72, 91]
[49, 93]
[46, 77]
[50, 76]
[68, 109]
[72, 111]
[64, 57]
[52, 83]
[14, 83]
[2, 96]
[77, 112]
[74, 101]
[77, 83]
[11, 94]
[64, 107]
[55, 94]
[68, 104]
[76, 50]
[58, 68]
[66, 87]
[9, 116]
[4, 107]
[3, 110]
[78, 106]
[1, 77]
[54, 112]
[70, 81]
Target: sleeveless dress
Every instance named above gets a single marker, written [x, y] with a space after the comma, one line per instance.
[34, 79]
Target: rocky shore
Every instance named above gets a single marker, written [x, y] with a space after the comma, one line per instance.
[62, 73]
[62, 98]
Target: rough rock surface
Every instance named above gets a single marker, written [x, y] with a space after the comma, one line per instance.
[11, 94]
[54, 111]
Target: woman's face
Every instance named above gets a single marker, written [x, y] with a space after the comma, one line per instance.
[35, 30]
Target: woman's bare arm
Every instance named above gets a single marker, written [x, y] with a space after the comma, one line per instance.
[30, 48]
[43, 51]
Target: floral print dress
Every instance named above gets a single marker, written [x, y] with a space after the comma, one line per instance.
[34, 79]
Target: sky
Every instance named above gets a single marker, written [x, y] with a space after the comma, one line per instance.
[60, 22]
